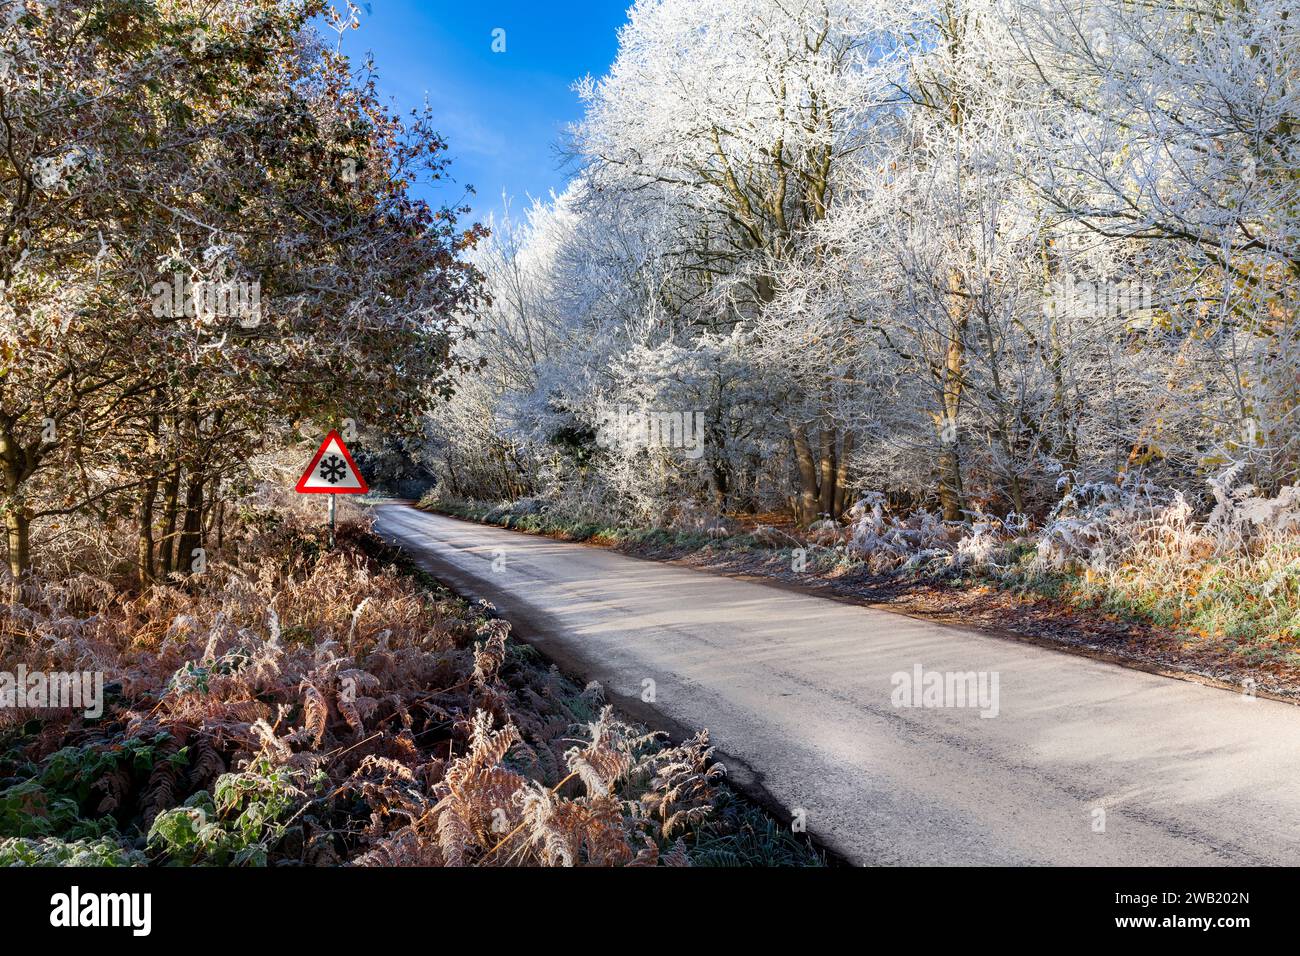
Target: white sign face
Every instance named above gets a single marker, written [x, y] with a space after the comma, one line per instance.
[332, 471]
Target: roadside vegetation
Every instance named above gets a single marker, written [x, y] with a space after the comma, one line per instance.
[300, 706]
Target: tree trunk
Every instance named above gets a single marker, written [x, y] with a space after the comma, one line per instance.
[167, 543]
[805, 508]
[191, 536]
[17, 464]
[18, 536]
[826, 467]
[718, 481]
[210, 507]
[144, 540]
[842, 475]
[148, 497]
[719, 472]
[951, 495]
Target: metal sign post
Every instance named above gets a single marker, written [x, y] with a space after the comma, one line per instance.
[332, 472]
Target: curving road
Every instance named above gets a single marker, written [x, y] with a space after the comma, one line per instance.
[1084, 763]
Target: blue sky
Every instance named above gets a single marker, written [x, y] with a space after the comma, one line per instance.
[502, 113]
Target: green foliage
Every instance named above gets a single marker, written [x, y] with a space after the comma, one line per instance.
[74, 770]
[27, 809]
[195, 675]
[577, 442]
[239, 826]
[1247, 604]
[51, 851]
[739, 834]
[584, 708]
[53, 803]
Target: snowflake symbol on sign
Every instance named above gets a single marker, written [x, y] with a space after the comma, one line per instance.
[332, 469]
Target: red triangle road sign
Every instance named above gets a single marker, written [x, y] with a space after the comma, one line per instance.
[332, 471]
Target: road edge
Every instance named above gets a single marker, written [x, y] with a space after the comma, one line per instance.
[827, 590]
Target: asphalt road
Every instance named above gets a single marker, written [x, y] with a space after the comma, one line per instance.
[1084, 762]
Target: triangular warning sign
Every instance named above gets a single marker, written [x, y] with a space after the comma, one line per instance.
[332, 471]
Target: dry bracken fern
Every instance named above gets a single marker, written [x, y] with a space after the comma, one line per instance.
[403, 736]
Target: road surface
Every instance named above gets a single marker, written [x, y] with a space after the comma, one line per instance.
[1085, 762]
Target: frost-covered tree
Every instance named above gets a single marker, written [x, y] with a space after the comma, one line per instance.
[975, 254]
[1177, 127]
